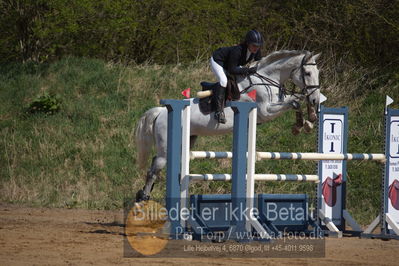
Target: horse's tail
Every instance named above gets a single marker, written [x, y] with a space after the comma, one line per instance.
[144, 135]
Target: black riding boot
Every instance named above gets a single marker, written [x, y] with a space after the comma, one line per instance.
[219, 97]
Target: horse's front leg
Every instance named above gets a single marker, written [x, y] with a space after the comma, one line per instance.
[312, 116]
[300, 121]
[292, 103]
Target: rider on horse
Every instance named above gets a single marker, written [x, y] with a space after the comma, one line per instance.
[230, 60]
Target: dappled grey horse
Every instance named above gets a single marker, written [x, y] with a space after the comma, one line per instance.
[271, 98]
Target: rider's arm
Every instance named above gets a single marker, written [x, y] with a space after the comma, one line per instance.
[233, 63]
[258, 56]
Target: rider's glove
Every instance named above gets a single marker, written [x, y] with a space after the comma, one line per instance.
[251, 70]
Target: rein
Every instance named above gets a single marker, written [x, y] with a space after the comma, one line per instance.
[266, 82]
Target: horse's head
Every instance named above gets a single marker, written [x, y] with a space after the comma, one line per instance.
[306, 77]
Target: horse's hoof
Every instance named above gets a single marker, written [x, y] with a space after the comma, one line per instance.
[308, 126]
[295, 130]
[140, 196]
[312, 117]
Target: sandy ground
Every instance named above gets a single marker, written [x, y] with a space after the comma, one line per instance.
[42, 236]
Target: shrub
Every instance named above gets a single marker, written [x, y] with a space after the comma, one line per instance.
[46, 103]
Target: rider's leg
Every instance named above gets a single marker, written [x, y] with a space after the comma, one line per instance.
[219, 93]
[219, 96]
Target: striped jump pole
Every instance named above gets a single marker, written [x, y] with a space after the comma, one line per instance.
[257, 177]
[211, 154]
[320, 156]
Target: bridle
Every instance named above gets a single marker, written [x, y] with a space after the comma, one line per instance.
[306, 87]
[283, 91]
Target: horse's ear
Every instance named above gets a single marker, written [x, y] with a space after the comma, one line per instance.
[308, 56]
[315, 57]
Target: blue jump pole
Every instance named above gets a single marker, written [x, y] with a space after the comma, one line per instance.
[239, 170]
[174, 142]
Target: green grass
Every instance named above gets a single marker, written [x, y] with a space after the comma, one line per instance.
[84, 155]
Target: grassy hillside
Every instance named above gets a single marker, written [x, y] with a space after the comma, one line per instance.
[84, 155]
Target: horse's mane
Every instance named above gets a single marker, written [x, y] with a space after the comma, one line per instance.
[277, 55]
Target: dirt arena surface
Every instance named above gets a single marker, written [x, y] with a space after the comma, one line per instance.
[42, 236]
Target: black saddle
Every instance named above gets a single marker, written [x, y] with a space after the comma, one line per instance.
[208, 85]
[207, 104]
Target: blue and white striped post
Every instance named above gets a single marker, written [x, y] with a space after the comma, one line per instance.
[174, 142]
[239, 169]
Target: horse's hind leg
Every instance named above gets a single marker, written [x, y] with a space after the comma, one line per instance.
[158, 163]
[193, 139]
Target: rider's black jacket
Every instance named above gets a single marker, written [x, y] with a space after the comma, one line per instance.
[230, 58]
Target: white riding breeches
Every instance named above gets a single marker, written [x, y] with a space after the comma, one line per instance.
[219, 73]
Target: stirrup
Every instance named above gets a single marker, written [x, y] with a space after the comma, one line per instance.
[219, 116]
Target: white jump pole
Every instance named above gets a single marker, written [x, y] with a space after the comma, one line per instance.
[285, 177]
[320, 156]
[256, 177]
[211, 155]
[292, 156]
[250, 190]
[210, 177]
[185, 160]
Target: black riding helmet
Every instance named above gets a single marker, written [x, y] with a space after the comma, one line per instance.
[254, 37]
